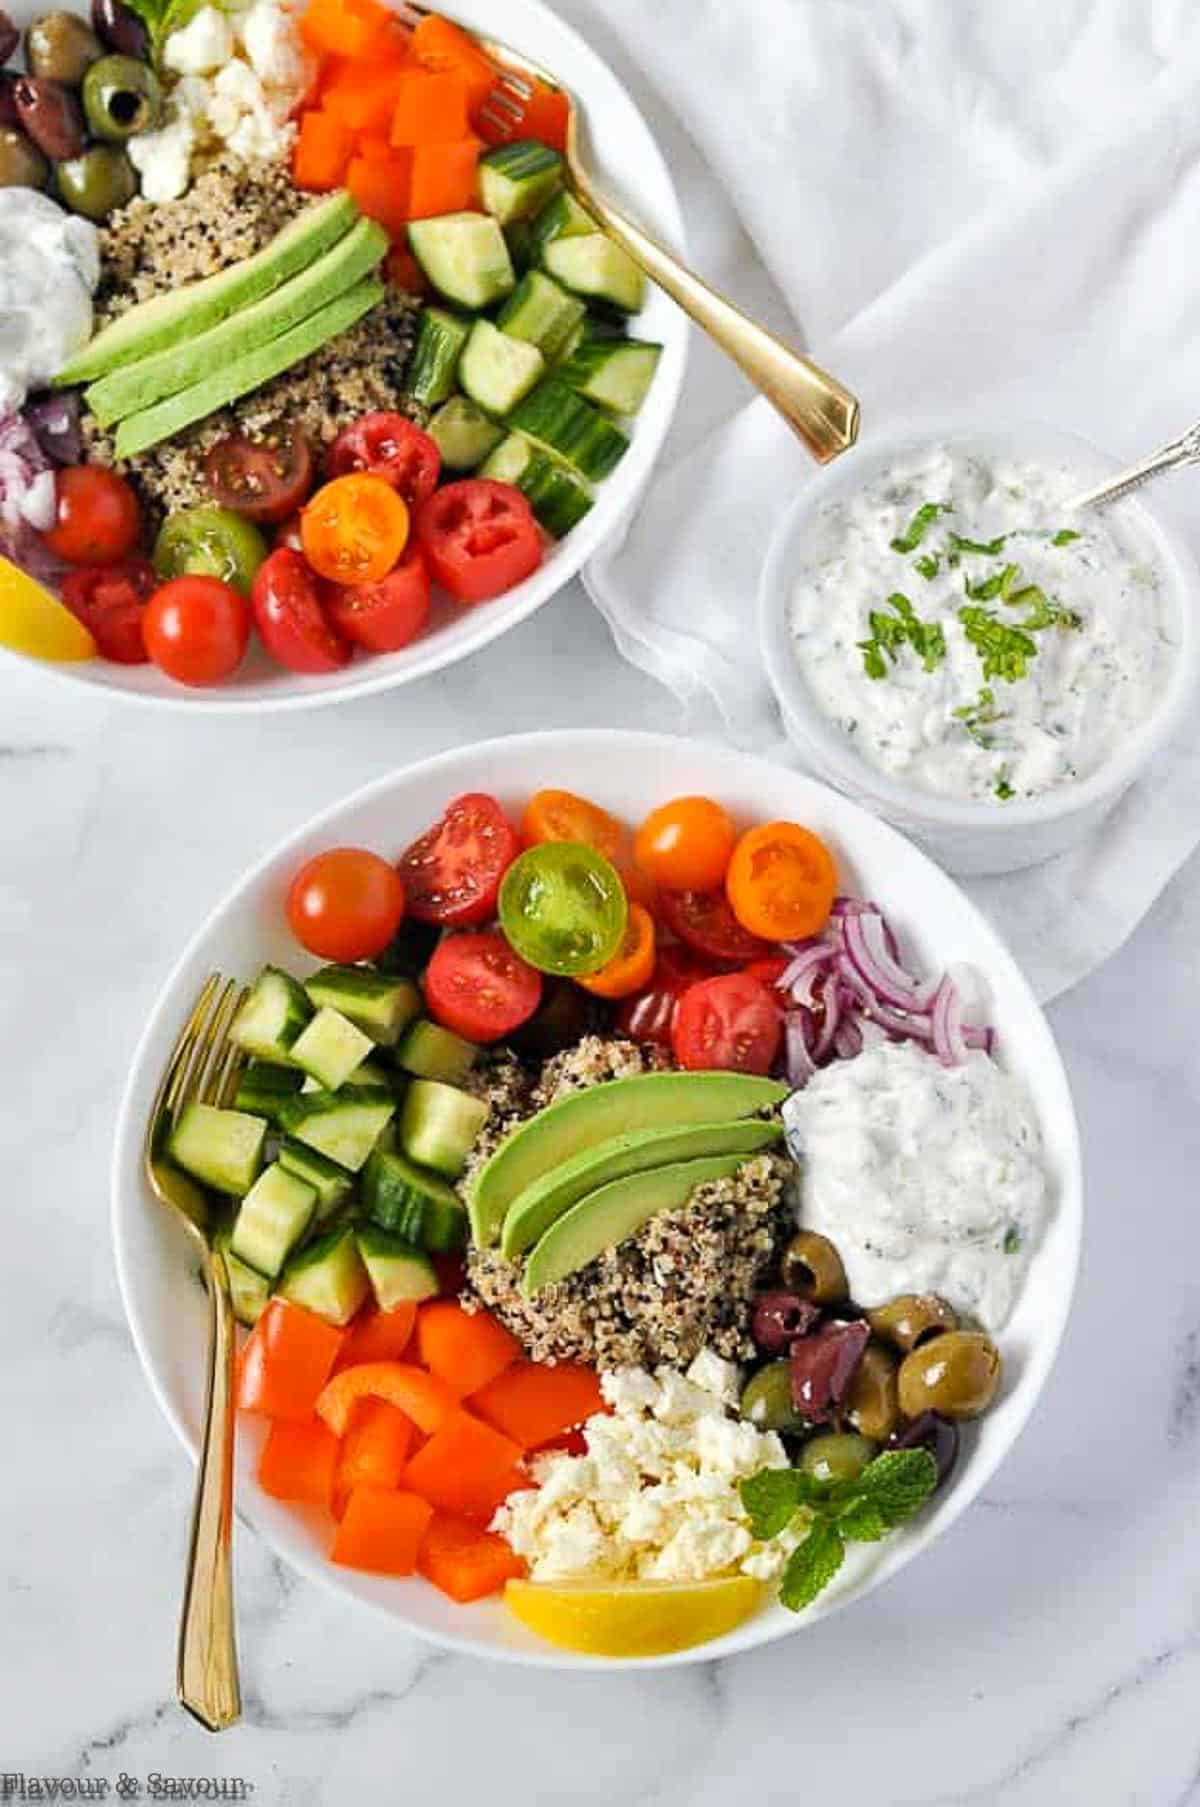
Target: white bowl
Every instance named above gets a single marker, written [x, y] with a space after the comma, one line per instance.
[627, 773]
[972, 838]
[631, 168]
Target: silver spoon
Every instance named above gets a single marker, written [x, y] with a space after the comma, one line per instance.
[1172, 457]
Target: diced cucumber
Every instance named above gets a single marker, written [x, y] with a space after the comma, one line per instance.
[248, 1289]
[438, 1124]
[617, 373]
[558, 498]
[498, 371]
[328, 1277]
[381, 1007]
[433, 369]
[222, 1148]
[330, 1048]
[540, 311]
[593, 265]
[272, 1218]
[515, 180]
[431, 1052]
[263, 1087]
[369, 1074]
[464, 434]
[561, 422]
[419, 1207]
[331, 1183]
[400, 1274]
[592, 329]
[562, 217]
[343, 1125]
[272, 1016]
[464, 256]
[519, 239]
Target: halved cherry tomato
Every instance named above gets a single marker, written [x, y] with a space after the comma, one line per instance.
[354, 529]
[649, 1015]
[196, 629]
[704, 920]
[288, 534]
[264, 476]
[388, 446]
[781, 882]
[97, 519]
[685, 845]
[345, 904]
[562, 816]
[632, 964]
[111, 601]
[385, 616]
[479, 538]
[770, 970]
[476, 985]
[452, 872]
[731, 1023]
[289, 612]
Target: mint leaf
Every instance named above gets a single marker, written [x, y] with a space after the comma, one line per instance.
[1005, 651]
[772, 1497]
[862, 1522]
[986, 548]
[1003, 788]
[873, 662]
[1042, 612]
[996, 585]
[898, 1483]
[812, 1565]
[919, 526]
[1064, 536]
[979, 717]
[890, 632]
[928, 565]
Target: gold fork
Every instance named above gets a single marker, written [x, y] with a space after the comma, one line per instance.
[204, 1068]
[815, 405]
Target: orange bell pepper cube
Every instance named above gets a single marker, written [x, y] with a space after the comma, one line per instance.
[544, 118]
[286, 1362]
[364, 98]
[444, 178]
[373, 1451]
[464, 1561]
[298, 1461]
[466, 1348]
[322, 152]
[381, 1531]
[466, 1467]
[377, 1336]
[422, 1397]
[533, 1403]
[382, 189]
[438, 44]
[343, 27]
[431, 107]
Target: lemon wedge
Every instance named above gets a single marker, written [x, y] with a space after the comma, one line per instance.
[34, 622]
[634, 1618]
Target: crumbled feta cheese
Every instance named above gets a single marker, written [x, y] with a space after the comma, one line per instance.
[203, 45]
[163, 159]
[274, 48]
[716, 1376]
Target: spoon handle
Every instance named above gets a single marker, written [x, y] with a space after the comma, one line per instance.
[1181, 451]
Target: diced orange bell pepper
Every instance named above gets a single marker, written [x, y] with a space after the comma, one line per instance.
[444, 178]
[297, 1462]
[382, 189]
[466, 1467]
[544, 118]
[381, 1531]
[431, 107]
[373, 1451]
[422, 1397]
[439, 44]
[464, 1561]
[533, 1403]
[466, 1348]
[343, 27]
[365, 97]
[286, 1362]
[377, 1336]
[322, 152]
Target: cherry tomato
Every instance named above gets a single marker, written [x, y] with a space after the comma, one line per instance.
[476, 985]
[196, 629]
[452, 872]
[632, 964]
[648, 1016]
[288, 534]
[704, 920]
[781, 882]
[562, 816]
[770, 970]
[97, 517]
[354, 529]
[345, 904]
[685, 845]
[262, 476]
[731, 1022]
[387, 615]
[563, 907]
[289, 604]
[388, 446]
[111, 601]
[479, 538]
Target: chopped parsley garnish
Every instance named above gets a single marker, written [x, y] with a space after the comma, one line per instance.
[919, 526]
[1012, 1240]
[986, 548]
[1042, 612]
[1064, 536]
[1005, 651]
[928, 565]
[890, 632]
[1004, 791]
[979, 716]
[987, 588]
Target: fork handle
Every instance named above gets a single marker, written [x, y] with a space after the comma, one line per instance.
[207, 1673]
[815, 405]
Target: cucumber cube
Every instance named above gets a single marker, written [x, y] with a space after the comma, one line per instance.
[223, 1149]
[400, 1274]
[593, 265]
[438, 1124]
[271, 1220]
[498, 371]
[331, 1048]
[328, 1277]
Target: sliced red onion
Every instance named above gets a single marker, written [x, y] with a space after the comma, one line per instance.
[831, 1006]
[946, 1021]
[979, 1035]
[55, 423]
[39, 504]
[800, 1064]
[798, 976]
[848, 1040]
[867, 948]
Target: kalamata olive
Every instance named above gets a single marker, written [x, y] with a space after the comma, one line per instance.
[21, 163]
[59, 48]
[121, 97]
[934, 1433]
[871, 1404]
[956, 1374]
[96, 183]
[10, 37]
[8, 98]
[52, 117]
[812, 1267]
[778, 1317]
[836, 1456]
[121, 28]
[766, 1400]
[912, 1318]
[823, 1365]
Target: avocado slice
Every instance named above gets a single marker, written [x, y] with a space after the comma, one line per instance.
[606, 1217]
[647, 1101]
[138, 432]
[170, 319]
[136, 386]
[534, 1210]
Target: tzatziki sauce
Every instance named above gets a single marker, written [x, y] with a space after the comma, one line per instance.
[926, 1178]
[969, 635]
[49, 268]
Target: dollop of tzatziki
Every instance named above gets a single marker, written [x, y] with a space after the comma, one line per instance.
[926, 1178]
[49, 268]
[970, 636]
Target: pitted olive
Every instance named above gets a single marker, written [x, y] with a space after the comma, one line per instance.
[96, 183]
[21, 163]
[121, 28]
[871, 1404]
[812, 1268]
[767, 1402]
[52, 117]
[912, 1318]
[956, 1374]
[60, 48]
[836, 1456]
[121, 97]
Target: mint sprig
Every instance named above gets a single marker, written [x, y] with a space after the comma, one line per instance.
[919, 526]
[890, 632]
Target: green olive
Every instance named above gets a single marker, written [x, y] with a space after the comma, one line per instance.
[767, 1402]
[836, 1456]
[912, 1318]
[121, 97]
[812, 1268]
[97, 183]
[871, 1405]
[956, 1374]
[22, 165]
[60, 48]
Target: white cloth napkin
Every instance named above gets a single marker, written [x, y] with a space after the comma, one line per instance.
[964, 202]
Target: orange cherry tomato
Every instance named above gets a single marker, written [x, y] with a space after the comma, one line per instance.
[685, 845]
[632, 964]
[781, 882]
[354, 529]
[562, 816]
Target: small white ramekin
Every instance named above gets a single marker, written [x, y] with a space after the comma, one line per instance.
[965, 837]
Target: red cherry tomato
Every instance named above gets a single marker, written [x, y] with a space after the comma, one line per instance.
[264, 476]
[111, 601]
[476, 985]
[705, 921]
[649, 1015]
[770, 970]
[290, 604]
[479, 538]
[97, 518]
[452, 872]
[731, 1022]
[384, 616]
[388, 446]
[196, 629]
[345, 904]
